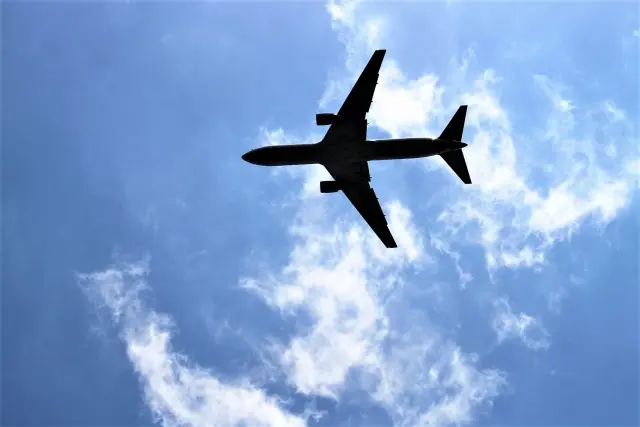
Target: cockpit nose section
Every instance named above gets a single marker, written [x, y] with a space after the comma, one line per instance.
[250, 156]
[262, 156]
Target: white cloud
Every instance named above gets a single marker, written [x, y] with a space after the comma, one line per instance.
[352, 289]
[442, 246]
[508, 325]
[402, 107]
[515, 222]
[555, 298]
[178, 392]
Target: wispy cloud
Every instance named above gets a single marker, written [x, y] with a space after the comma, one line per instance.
[177, 391]
[507, 324]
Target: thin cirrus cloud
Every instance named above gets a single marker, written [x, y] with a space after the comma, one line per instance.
[177, 392]
[362, 335]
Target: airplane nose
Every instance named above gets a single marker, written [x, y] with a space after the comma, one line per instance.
[258, 156]
[248, 156]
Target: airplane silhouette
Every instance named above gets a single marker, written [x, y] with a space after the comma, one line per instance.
[345, 150]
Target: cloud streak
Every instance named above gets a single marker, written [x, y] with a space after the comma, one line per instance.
[507, 324]
[177, 391]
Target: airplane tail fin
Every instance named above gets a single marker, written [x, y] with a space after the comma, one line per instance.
[453, 132]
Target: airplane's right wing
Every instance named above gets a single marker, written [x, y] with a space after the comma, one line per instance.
[351, 127]
[354, 179]
[365, 201]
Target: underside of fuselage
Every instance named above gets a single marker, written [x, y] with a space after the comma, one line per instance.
[337, 152]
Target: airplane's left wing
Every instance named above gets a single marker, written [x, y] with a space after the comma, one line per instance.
[357, 104]
[351, 123]
[354, 179]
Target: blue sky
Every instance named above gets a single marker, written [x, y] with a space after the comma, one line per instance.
[149, 275]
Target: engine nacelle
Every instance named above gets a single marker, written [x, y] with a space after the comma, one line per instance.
[325, 119]
[329, 187]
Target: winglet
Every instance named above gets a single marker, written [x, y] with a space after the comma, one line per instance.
[375, 61]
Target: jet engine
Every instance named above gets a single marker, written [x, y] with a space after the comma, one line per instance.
[325, 119]
[329, 187]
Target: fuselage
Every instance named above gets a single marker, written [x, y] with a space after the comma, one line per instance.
[370, 150]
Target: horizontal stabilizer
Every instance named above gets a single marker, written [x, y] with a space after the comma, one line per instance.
[455, 160]
[453, 131]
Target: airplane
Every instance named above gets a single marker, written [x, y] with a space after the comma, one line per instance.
[345, 150]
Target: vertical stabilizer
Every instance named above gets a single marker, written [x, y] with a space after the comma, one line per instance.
[453, 131]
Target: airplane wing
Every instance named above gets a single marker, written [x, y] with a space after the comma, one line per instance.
[351, 123]
[357, 104]
[354, 178]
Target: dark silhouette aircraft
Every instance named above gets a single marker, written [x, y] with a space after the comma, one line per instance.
[345, 150]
